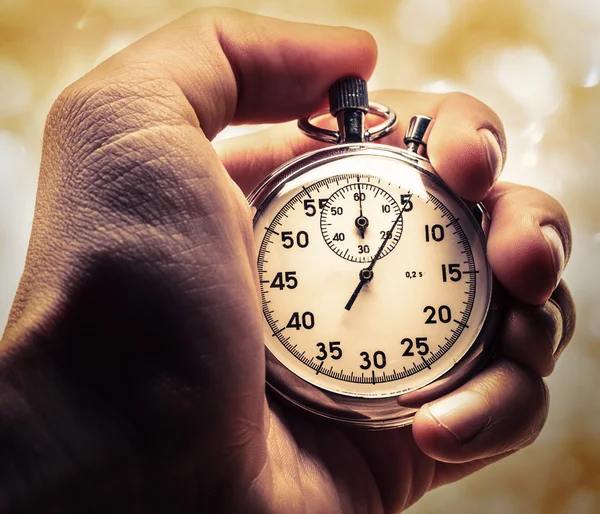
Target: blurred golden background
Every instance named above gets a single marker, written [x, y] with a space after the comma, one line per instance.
[536, 62]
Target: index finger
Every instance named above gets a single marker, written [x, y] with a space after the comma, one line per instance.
[233, 66]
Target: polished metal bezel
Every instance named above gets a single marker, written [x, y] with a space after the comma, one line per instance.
[369, 412]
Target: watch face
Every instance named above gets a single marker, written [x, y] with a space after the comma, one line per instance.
[373, 275]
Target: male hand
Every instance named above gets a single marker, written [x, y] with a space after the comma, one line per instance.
[132, 366]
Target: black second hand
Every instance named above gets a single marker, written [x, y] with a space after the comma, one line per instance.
[368, 272]
[360, 200]
[362, 227]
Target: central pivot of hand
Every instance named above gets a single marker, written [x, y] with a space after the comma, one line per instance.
[366, 275]
[361, 224]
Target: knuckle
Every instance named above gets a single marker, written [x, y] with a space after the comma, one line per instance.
[119, 161]
[206, 21]
[530, 403]
[530, 336]
[461, 98]
[521, 399]
[121, 102]
[100, 128]
[215, 13]
[63, 105]
[65, 110]
[538, 413]
[141, 177]
[485, 116]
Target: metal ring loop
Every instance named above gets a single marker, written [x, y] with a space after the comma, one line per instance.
[333, 136]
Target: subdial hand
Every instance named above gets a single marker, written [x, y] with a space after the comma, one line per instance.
[361, 222]
[366, 274]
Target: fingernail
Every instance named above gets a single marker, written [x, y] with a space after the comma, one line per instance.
[464, 415]
[556, 248]
[494, 153]
[556, 327]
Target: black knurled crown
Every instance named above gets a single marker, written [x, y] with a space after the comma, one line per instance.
[348, 93]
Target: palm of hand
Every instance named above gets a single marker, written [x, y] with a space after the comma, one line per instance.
[320, 468]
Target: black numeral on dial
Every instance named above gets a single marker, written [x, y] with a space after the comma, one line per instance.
[378, 360]
[434, 233]
[285, 279]
[309, 206]
[334, 351]
[301, 239]
[443, 313]
[406, 203]
[298, 321]
[420, 343]
[452, 272]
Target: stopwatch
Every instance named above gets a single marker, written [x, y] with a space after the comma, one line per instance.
[376, 291]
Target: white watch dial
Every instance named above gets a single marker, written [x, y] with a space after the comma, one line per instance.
[373, 276]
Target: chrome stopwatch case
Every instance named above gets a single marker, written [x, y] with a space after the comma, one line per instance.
[376, 291]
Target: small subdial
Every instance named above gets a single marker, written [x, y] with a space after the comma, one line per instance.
[357, 219]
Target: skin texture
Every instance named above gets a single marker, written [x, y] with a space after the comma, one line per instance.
[132, 368]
